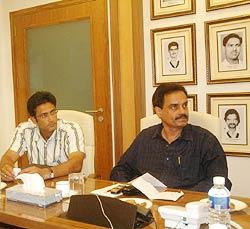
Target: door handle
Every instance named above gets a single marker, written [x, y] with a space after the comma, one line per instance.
[99, 110]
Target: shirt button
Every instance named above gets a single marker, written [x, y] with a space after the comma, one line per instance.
[167, 158]
[167, 145]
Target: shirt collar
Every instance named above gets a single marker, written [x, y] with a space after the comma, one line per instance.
[39, 136]
[158, 130]
[186, 133]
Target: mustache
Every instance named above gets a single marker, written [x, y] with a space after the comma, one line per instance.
[181, 116]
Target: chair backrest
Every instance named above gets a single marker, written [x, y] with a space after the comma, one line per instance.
[207, 121]
[86, 123]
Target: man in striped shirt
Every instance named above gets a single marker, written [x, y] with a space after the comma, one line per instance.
[54, 147]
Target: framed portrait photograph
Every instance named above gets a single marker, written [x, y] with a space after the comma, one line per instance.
[233, 111]
[174, 54]
[171, 8]
[228, 54]
[221, 4]
[192, 102]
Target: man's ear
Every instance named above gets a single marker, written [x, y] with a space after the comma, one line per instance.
[158, 111]
[33, 119]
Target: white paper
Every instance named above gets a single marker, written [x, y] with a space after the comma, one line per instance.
[106, 191]
[149, 190]
[152, 180]
[16, 171]
[33, 183]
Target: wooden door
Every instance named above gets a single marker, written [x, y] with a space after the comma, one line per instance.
[95, 12]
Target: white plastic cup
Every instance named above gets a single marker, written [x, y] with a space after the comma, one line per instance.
[76, 183]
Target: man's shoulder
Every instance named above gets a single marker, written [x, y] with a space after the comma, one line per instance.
[198, 129]
[26, 125]
[67, 125]
[200, 132]
[151, 131]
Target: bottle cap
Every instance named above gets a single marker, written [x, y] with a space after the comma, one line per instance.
[219, 180]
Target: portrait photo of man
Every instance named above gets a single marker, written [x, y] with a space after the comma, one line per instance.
[232, 52]
[232, 119]
[173, 57]
[234, 128]
[173, 49]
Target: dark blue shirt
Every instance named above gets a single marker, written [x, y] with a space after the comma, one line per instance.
[190, 162]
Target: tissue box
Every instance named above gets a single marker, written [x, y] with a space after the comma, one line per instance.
[50, 196]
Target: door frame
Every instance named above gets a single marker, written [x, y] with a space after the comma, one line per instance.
[139, 106]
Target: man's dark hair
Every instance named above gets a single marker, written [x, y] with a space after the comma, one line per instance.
[38, 98]
[232, 111]
[231, 35]
[165, 89]
[173, 44]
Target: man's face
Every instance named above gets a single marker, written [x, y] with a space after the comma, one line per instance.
[174, 113]
[232, 48]
[232, 121]
[46, 118]
[173, 52]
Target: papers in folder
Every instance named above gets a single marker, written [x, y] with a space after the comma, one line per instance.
[148, 185]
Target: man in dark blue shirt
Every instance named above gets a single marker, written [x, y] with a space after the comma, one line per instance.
[177, 153]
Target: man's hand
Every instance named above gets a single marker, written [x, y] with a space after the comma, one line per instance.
[7, 173]
[44, 172]
[7, 164]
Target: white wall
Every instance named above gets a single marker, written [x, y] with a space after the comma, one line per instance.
[237, 166]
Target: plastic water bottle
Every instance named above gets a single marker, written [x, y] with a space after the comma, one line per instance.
[219, 210]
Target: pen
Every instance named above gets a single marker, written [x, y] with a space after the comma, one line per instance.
[179, 160]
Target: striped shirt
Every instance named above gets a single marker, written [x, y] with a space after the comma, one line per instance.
[67, 138]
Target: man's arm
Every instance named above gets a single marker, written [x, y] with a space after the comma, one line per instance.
[214, 164]
[73, 165]
[7, 164]
[126, 170]
[123, 172]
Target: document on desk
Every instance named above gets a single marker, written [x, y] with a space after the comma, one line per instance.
[150, 186]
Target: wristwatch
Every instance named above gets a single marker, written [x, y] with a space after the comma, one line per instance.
[51, 175]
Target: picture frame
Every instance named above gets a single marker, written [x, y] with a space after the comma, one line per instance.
[171, 8]
[228, 57]
[174, 55]
[233, 109]
[192, 102]
[221, 4]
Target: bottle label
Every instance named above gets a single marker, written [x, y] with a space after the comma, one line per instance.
[219, 203]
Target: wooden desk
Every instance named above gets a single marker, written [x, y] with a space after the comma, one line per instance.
[28, 216]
